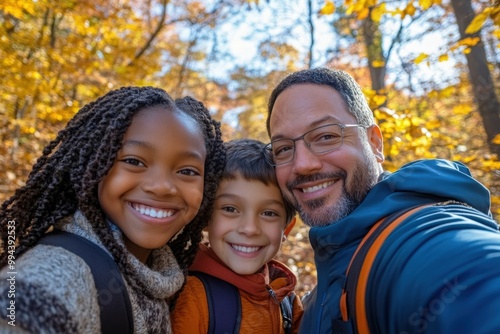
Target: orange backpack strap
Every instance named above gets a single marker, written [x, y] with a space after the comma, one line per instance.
[352, 301]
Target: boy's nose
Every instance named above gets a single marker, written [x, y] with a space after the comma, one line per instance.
[249, 226]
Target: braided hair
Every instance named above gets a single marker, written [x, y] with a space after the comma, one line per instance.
[185, 245]
[66, 177]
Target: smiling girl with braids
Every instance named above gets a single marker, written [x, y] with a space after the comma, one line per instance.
[133, 172]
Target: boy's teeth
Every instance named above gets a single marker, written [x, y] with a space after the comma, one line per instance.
[318, 187]
[245, 249]
[155, 213]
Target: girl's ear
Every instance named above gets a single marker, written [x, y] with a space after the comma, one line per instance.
[289, 227]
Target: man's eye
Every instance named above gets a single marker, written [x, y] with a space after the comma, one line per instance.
[327, 137]
[282, 149]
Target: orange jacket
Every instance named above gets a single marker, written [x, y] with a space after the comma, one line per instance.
[259, 310]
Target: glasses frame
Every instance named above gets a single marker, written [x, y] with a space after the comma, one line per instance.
[269, 146]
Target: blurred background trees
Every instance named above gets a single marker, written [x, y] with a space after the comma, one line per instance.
[430, 70]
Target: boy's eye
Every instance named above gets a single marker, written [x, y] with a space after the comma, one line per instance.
[270, 214]
[189, 172]
[133, 161]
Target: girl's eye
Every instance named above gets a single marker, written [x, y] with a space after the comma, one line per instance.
[133, 162]
[229, 209]
[189, 172]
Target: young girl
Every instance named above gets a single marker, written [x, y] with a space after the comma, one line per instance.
[133, 172]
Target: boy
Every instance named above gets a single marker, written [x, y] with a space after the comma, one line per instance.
[248, 224]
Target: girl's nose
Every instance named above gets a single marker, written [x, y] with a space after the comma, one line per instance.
[160, 183]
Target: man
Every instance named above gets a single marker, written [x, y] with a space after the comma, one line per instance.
[438, 272]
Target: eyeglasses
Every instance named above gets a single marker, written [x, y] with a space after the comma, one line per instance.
[323, 139]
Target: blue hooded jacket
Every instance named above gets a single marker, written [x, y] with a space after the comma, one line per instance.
[438, 272]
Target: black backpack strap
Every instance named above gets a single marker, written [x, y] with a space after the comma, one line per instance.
[286, 306]
[224, 304]
[114, 303]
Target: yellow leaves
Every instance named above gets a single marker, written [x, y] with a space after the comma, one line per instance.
[409, 10]
[443, 57]
[495, 200]
[477, 23]
[433, 124]
[496, 141]
[363, 14]
[495, 15]
[424, 56]
[491, 165]
[29, 130]
[377, 12]
[328, 8]
[379, 99]
[385, 113]
[425, 4]
[34, 75]
[447, 92]
[18, 8]
[462, 109]
[479, 20]
[469, 41]
[378, 63]
[375, 99]
[362, 9]
[15, 11]
[433, 93]
[421, 57]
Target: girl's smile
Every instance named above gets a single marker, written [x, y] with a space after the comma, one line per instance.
[155, 186]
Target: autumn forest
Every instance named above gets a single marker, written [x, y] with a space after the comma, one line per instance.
[430, 70]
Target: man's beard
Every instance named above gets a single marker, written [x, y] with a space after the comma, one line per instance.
[315, 213]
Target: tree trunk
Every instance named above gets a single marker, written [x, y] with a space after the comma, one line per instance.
[374, 51]
[311, 33]
[480, 77]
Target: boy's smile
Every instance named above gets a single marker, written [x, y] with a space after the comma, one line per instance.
[247, 224]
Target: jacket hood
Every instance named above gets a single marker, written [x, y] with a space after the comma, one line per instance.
[418, 182]
[274, 275]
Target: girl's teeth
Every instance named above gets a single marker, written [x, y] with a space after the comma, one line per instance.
[155, 213]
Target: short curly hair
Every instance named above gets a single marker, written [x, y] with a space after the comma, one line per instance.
[339, 80]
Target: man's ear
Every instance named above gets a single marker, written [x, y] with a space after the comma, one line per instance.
[376, 141]
[289, 227]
